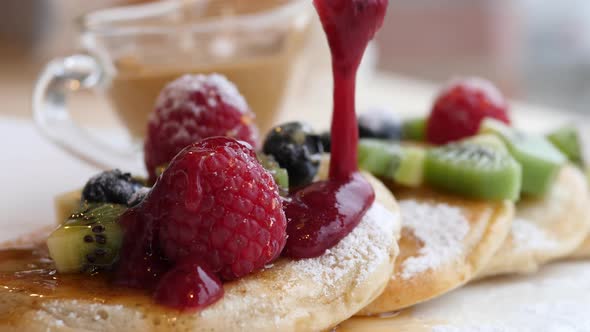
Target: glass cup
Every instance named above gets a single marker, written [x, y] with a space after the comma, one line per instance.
[133, 51]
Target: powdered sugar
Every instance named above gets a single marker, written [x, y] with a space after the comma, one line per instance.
[528, 236]
[440, 227]
[368, 244]
[178, 94]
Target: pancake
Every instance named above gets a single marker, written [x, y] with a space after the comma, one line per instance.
[304, 295]
[547, 228]
[446, 240]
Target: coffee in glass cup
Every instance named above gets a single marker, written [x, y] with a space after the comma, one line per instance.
[134, 51]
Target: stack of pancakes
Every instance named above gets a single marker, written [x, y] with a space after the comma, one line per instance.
[403, 252]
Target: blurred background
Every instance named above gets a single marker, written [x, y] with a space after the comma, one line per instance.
[535, 51]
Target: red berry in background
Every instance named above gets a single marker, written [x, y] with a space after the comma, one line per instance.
[215, 202]
[460, 108]
[187, 286]
[191, 108]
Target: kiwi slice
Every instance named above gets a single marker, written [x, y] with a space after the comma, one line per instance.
[473, 170]
[414, 129]
[388, 159]
[568, 141]
[378, 157]
[539, 159]
[410, 170]
[89, 240]
[490, 140]
[279, 174]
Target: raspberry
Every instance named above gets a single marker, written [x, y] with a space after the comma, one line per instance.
[217, 203]
[188, 286]
[192, 108]
[460, 108]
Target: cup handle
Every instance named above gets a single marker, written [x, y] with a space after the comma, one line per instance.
[60, 78]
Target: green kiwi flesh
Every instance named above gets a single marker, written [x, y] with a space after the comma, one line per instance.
[540, 160]
[390, 160]
[414, 129]
[89, 240]
[473, 170]
[567, 140]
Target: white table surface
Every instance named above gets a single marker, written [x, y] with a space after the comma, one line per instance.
[556, 299]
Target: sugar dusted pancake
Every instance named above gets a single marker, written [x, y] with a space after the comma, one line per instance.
[547, 228]
[445, 241]
[304, 295]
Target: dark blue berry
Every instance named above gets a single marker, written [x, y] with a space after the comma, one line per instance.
[297, 149]
[380, 124]
[326, 139]
[111, 187]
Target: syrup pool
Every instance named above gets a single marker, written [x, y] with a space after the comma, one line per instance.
[323, 213]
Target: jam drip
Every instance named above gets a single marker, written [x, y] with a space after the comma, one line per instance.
[189, 285]
[323, 213]
[338, 207]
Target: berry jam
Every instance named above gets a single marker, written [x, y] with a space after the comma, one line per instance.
[338, 207]
[323, 213]
[188, 285]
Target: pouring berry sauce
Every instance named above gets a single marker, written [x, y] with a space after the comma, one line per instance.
[324, 212]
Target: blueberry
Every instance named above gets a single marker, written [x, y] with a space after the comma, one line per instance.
[326, 140]
[380, 124]
[111, 187]
[138, 196]
[296, 148]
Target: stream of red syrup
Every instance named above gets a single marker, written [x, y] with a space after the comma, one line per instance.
[323, 213]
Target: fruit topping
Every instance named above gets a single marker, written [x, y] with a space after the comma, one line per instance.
[390, 160]
[414, 129]
[214, 202]
[279, 174]
[540, 160]
[188, 286]
[323, 213]
[89, 240]
[297, 149]
[567, 140]
[111, 187]
[473, 170]
[379, 124]
[192, 108]
[138, 196]
[490, 140]
[459, 110]
[326, 139]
